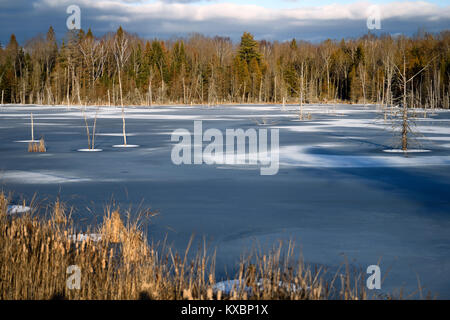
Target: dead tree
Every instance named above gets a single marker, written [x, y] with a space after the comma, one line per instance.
[91, 140]
[404, 84]
[121, 55]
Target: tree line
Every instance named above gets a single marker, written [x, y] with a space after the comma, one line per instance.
[122, 68]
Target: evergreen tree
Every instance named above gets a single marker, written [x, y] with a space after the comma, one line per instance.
[248, 49]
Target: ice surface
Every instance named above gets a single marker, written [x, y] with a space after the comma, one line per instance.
[228, 286]
[336, 194]
[42, 177]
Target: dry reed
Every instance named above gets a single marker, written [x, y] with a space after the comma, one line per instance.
[37, 147]
[35, 253]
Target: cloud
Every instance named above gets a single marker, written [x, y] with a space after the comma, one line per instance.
[181, 17]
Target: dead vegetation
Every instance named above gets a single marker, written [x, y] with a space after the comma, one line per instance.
[37, 146]
[36, 252]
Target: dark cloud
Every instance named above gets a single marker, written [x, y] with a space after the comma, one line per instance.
[178, 18]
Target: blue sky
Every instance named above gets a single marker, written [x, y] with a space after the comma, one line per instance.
[272, 20]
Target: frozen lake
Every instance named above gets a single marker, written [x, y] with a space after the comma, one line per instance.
[337, 194]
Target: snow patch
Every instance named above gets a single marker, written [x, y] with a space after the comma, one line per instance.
[43, 177]
[16, 209]
[430, 129]
[408, 151]
[26, 141]
[228, 286]
[89, 150]
[125, 146]
[299, 156]
[115, 134]
[85, 237]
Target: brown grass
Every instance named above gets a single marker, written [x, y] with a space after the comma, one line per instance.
[306, 116]
[35, 253]
[37, 147]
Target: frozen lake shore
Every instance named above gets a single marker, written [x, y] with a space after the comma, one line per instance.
[337, 193]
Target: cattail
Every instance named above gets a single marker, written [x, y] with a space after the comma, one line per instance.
[42, 145]
[187, 294]
[209, 294]
[37, 147]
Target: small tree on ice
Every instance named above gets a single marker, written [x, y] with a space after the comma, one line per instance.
[121, 55]
[403, 82]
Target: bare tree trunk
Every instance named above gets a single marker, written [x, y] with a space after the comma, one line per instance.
[73, 84]
[32, 128]
[260, 90]
[22, 98]
[363, 82]
[57, 97]
[123, 110]
[163, 89]
[87, 128]
[150, 98]
[405, 111]
[275, 89]
[114, 94]
[68, 85]
[301, 93]
[184, 92]
[93, 130]
[328, 80]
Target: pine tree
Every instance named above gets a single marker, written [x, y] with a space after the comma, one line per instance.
[11, 70]
[248, 49]
[255, 77]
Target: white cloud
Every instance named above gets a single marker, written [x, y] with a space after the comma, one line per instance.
[223, 10]
[167, 18]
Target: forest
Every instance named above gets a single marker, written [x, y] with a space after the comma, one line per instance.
[122, 68]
